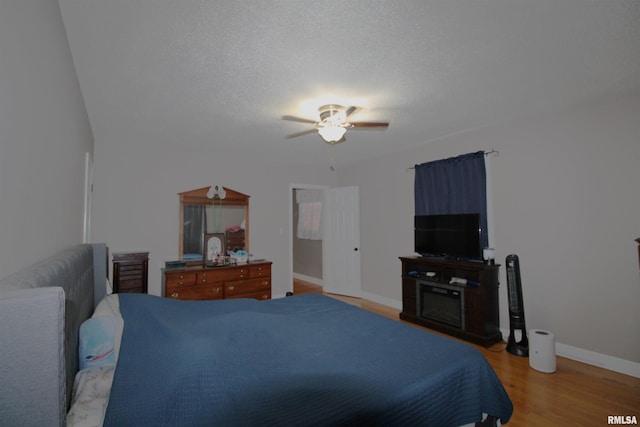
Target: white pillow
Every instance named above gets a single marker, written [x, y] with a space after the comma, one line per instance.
[110, 306]
[97, 342]
[91, 389]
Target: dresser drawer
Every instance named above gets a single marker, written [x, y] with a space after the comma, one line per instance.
[210, 276]
[262, 295]
[260, 270]
[199, 292]
[225, 274]
[239, 288]
[180, 278]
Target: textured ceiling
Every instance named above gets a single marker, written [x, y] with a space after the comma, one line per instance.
[196, 73]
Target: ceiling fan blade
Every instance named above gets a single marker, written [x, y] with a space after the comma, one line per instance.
[298, 119]
[351, 110]
[369, 125]
[304, 132]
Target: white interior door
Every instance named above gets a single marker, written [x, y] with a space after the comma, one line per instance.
[341, 246]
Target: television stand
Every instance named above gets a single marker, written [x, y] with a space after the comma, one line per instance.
[472, 312]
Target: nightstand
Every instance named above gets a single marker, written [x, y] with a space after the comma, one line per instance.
[130, 272]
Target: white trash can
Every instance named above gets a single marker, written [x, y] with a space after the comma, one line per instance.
[542, 351]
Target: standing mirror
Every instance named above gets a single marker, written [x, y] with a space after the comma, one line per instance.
[221, 220]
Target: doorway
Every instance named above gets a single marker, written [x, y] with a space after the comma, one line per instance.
[334, 262]
[305, 255]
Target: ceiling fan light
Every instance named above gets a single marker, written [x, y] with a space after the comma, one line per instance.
[332, 133]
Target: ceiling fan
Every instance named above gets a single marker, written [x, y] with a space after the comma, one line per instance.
[333, 123]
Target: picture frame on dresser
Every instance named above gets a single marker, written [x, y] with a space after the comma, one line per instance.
[212, 243]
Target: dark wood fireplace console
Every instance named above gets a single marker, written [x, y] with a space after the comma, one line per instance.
[481, 319]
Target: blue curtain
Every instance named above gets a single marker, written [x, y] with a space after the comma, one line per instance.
[456, 185]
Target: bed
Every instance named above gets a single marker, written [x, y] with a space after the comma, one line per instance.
[301, 360]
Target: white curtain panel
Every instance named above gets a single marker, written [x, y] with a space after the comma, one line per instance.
[309, 214]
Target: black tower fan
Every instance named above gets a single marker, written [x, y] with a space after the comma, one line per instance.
[516, 309]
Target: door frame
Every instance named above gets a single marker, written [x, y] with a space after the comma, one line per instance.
[293, 187]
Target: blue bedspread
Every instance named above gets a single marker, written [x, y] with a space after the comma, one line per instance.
[306, 360]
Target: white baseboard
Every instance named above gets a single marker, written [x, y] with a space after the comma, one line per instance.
[605, 361]
[589, 357]
[313, 280]
[389, 302]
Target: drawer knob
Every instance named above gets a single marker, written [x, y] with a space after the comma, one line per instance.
[231, 287]
[174, 295]
[266, 282]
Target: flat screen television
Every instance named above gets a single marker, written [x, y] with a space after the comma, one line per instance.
[455, 236]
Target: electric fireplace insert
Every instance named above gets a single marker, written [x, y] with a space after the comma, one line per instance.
[441, 303]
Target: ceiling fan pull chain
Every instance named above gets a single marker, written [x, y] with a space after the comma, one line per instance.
[332, 159]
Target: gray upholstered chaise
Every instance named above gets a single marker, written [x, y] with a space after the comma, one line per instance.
[41, 309]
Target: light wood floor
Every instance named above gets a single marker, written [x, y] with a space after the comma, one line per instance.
[577, 394]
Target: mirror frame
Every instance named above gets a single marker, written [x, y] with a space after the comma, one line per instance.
[199, 197]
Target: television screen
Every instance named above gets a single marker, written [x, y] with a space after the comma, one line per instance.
[453, 236]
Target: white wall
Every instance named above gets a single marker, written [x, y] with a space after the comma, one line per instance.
[565, 200]
[44, 135]
[136, 204]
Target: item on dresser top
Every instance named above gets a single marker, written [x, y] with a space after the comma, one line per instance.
[220, 261]
[240, 256]
[192, 257]
[175, 264]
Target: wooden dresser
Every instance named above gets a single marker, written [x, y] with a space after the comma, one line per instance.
[252, 280]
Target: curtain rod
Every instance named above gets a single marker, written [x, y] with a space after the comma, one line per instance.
[495, 153]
